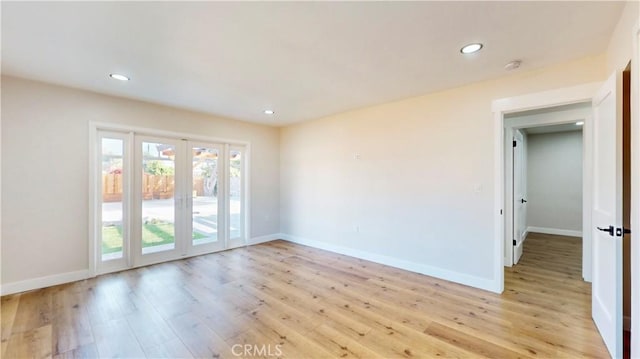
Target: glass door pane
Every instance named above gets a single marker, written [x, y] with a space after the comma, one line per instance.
[112, 172]
[205, 187]
[158, 197]
[236, 193]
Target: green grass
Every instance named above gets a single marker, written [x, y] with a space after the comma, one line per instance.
[111, 239]
[158, 233]
[153, 234]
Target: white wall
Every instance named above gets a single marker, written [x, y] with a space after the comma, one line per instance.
[620, 46]
[45, 140]
[554, 182]
[422, 191]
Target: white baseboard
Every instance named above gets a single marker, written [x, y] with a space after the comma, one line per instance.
[264, 239]
[51, 280]
[43, 282]
[472, 281]
[556, 231]
[626, 323]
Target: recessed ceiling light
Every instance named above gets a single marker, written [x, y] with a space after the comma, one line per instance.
[471, 48]
[579, 123]
[119, 77]
[269, 112]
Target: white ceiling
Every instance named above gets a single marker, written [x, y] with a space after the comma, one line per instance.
[305, 60]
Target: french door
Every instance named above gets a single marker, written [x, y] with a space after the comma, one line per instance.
[163, 198]
[205, 209]
[158, 199]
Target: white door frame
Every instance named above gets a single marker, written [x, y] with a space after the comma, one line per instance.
[546, 99]
[243, 239]
[138, 257]
[510, 127]
[509, 132]
[219, 244]
[128, 180]
[635, 194]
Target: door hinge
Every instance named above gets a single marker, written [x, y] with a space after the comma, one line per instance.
[514, 143]
[514, 242]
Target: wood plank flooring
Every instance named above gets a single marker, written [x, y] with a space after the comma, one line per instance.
[285, 300]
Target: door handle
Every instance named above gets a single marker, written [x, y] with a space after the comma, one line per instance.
[610, 230]
[523, 201]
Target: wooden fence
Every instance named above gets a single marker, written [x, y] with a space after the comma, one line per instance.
[157, 186]
[153, 187]
[111, 187]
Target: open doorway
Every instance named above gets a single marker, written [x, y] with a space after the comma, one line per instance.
[548, 210]
[544, 178]
[604, 218]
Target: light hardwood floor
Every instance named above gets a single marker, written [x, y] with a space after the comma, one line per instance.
[306, 303]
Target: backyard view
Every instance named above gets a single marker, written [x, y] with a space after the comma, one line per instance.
[158, 191]
[112, 215]
[158, 197]
[204, 223]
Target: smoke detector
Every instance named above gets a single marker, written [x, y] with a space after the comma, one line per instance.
[513, 65]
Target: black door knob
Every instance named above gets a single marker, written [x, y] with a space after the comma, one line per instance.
[523, 201]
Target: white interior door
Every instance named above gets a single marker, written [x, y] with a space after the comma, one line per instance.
[607, 214]
[519, 200]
